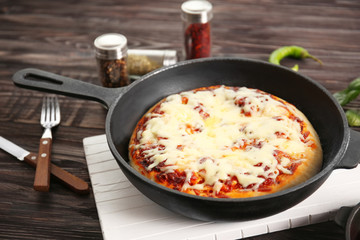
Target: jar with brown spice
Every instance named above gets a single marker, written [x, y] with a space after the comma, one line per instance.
[111, 55]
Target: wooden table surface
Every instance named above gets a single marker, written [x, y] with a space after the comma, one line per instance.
[58, 36]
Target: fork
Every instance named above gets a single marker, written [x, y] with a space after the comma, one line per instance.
[50, 117]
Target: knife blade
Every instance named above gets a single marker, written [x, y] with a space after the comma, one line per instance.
[74, 183]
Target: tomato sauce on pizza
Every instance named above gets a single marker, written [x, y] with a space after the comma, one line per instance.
[225, 142]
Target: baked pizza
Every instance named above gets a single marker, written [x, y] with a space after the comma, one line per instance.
[225, 142]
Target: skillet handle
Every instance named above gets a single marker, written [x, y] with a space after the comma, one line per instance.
[32, 78]
[342, 216]
[352, 155]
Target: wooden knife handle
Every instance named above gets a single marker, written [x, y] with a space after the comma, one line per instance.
[74, 183]
[42, 173]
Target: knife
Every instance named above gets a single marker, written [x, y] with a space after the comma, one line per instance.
[74, 183]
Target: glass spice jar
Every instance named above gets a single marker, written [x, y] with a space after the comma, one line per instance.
[111, 56]
[142, 61]
[196, 16]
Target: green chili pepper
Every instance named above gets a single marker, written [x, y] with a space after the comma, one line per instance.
[347, 95]
[353, 118]
[291, 51]
[350, 93]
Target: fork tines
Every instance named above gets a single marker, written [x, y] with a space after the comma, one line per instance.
[50, 114]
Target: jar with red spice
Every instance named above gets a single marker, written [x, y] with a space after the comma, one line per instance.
[196, 16]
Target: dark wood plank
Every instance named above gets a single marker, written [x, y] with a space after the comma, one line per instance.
[58, 36]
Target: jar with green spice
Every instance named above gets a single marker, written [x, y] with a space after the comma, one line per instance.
[111, 55]
[142, 61]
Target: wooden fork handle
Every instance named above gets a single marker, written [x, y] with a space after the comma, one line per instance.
[42, 173]
[71, 181]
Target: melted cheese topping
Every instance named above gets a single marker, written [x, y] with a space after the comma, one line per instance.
[221, 134]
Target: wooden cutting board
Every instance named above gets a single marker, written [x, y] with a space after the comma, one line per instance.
[125, 213]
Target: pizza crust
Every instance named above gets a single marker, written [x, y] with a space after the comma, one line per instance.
[146, 149]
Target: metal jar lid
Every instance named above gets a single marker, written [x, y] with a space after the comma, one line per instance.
[196, 11]
[111, 46]
[170, 57]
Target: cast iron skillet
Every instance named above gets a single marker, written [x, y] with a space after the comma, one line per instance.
[127, 105]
